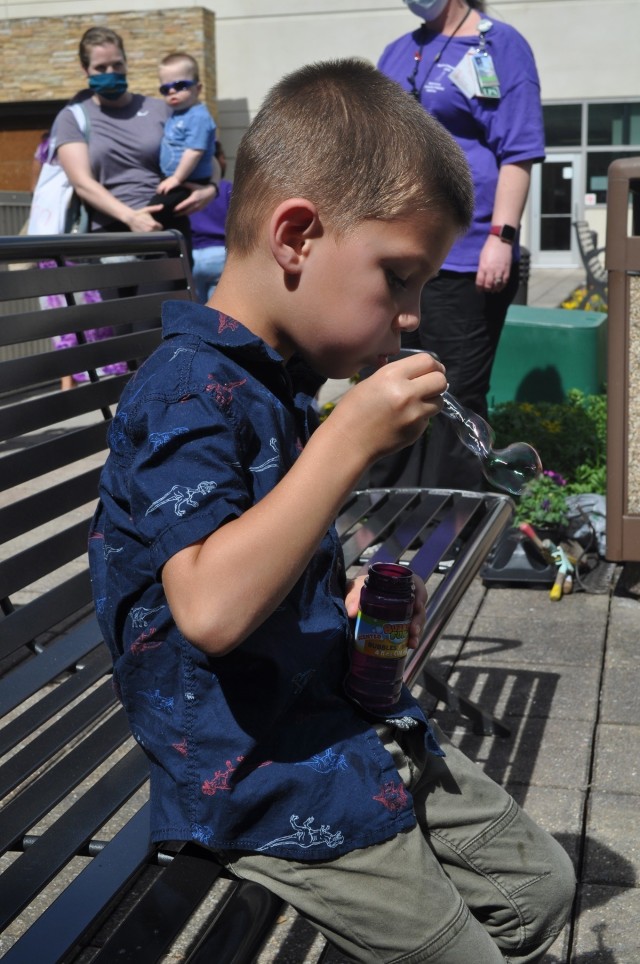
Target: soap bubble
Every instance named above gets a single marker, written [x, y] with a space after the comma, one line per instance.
[509, 468]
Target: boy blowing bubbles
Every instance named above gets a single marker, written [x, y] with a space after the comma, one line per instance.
[219, 578]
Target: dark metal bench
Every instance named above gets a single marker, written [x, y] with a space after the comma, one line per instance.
[597, 275]
[77, 869]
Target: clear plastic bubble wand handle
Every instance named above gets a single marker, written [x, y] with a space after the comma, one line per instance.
[509, 468]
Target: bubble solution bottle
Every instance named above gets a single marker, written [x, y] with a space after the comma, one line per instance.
[379, 647]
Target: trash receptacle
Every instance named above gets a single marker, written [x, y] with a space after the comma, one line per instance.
[623, 383]
[544, 352]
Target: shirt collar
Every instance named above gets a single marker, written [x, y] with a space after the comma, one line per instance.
[231, 336]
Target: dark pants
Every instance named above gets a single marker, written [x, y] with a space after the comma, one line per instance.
[462, 326]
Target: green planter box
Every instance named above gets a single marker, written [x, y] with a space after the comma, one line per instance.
[544, 352]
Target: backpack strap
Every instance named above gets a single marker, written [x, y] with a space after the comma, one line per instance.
[82, 120]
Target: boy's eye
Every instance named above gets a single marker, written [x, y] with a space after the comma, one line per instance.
[394, 281]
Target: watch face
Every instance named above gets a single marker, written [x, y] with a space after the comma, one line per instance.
[508, 233]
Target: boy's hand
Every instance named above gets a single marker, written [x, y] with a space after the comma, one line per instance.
[416, 629]
[419, 619]
[391, 409]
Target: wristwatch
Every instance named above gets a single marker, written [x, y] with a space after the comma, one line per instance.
[506, 232]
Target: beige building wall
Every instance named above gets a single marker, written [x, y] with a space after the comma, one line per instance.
[40, 53]
[585, 49]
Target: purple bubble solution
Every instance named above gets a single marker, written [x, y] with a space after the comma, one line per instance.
[379, 645]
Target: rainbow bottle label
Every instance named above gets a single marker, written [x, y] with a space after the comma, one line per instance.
[381, 638]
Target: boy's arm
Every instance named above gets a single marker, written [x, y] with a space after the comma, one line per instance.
[225, 586]
[186, 165]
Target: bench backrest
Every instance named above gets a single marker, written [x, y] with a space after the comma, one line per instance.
[52, 448]
[44, 430]
[590, 254]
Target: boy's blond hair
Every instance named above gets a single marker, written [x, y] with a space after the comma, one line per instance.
[191, 64]
[344, 136]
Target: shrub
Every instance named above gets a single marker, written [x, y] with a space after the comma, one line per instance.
[570, 437]
[543, 502]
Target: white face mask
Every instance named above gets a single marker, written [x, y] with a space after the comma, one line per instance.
[428, 9]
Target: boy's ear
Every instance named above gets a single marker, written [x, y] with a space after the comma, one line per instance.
[294, 223]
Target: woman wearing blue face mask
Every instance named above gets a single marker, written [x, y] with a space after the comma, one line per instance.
[113, 164]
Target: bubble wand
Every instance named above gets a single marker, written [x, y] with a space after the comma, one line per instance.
[509, 468]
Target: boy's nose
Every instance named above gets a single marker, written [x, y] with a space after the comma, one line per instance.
[408, 320]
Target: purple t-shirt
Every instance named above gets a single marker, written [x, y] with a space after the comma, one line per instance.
[491, 132]
[208, 225]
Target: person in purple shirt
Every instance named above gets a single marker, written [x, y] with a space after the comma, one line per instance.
[208, 232]
[477, 76]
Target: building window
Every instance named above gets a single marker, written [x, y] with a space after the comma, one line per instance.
[613, 124]
[601, 132]
[563, 125]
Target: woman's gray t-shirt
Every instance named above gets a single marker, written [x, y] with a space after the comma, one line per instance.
[124, 147]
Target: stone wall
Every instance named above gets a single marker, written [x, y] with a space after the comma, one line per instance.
[40, 54]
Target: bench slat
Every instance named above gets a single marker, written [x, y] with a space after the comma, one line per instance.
[55, 738]
[359, 505]
[159, 916]
[53, 408]
[86, 900]
[50, 853]
[26, 326]
[60, 656]
[240, 927]
[78, 276]
[373, 529]
[418, 525]
[97, 664]
[43, 507]
[35, 562]
[44, 793]
[42, 457]
[47, 366]
[24, 625]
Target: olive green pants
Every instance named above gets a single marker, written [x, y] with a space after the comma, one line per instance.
[476, 882]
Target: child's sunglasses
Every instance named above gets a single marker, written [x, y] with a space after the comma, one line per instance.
[177, 85]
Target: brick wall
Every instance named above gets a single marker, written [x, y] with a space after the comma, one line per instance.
[41, 70]
[40, 54]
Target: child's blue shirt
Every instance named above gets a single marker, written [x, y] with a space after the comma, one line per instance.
[258, 749]
[194, 128]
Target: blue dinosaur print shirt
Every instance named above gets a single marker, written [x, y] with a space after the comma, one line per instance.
[259, 749]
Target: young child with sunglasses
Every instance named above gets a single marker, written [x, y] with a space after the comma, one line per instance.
[188, 143]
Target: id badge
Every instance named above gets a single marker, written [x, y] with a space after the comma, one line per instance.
[488, 83]
[464, 77]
